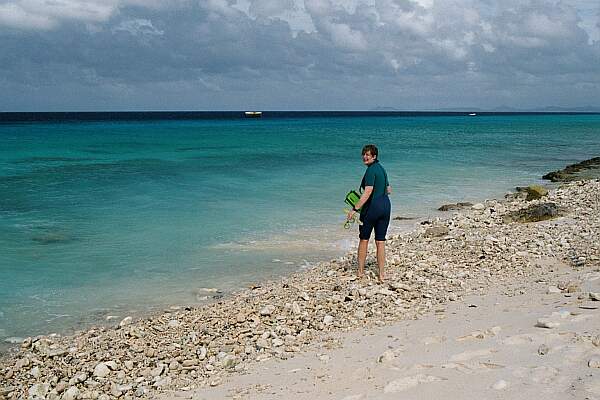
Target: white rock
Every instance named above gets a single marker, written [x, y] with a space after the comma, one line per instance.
[546, 323]
[328, 320]
[478, 206]
[500, 385]
[125, 321]
[71, 394]
[101, 370]
[35, 372]
[595, 296]
[38, 391]
[201, 352]
[267, 310]
[173, 323]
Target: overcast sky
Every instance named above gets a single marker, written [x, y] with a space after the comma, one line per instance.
[297, 54]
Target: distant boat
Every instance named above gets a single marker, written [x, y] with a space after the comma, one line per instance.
[253, 114]
[472, 114]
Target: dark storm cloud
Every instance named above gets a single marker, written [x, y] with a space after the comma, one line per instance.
[319, 54]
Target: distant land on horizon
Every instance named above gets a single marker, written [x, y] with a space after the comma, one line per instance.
[503, 108]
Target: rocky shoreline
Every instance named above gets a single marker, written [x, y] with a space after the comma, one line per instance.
[186, 348]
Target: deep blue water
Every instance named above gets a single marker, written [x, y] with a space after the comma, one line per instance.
[108, 214]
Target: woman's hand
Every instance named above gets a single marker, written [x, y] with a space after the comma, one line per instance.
[350, 215]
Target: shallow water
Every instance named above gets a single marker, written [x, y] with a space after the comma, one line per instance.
[105, 218]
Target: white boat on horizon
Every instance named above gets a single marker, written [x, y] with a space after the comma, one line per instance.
[253, 114]
[472, 114]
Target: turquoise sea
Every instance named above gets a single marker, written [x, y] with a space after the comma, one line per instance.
[111, 216]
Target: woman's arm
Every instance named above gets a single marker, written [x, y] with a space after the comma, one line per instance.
[363, 199]
[389, 189]
[365, 196]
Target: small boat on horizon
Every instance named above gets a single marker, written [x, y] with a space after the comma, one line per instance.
[472, 114]
[253, 114]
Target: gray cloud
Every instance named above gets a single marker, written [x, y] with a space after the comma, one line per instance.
[315, 54]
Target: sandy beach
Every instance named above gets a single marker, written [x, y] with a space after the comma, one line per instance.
[477, 305]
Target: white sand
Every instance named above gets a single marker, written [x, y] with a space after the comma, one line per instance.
[484, 347]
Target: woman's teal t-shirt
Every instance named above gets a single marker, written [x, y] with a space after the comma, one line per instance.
[376, 176]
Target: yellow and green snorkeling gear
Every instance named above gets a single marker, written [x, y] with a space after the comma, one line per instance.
[352, 199]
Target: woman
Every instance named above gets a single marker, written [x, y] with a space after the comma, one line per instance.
[375, 208]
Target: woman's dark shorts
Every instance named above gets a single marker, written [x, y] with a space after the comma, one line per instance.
[377, 216]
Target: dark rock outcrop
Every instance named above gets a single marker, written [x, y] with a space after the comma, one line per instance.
[588, 169]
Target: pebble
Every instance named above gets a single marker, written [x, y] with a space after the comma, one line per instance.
[543, 350]
[125, 322]
[595, 296]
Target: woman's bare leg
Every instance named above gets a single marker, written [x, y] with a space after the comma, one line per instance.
[362, 256]
[380, 258]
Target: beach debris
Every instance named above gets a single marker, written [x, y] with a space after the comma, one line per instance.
[595, 296]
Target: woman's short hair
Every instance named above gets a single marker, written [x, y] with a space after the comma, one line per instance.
[371, 148]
